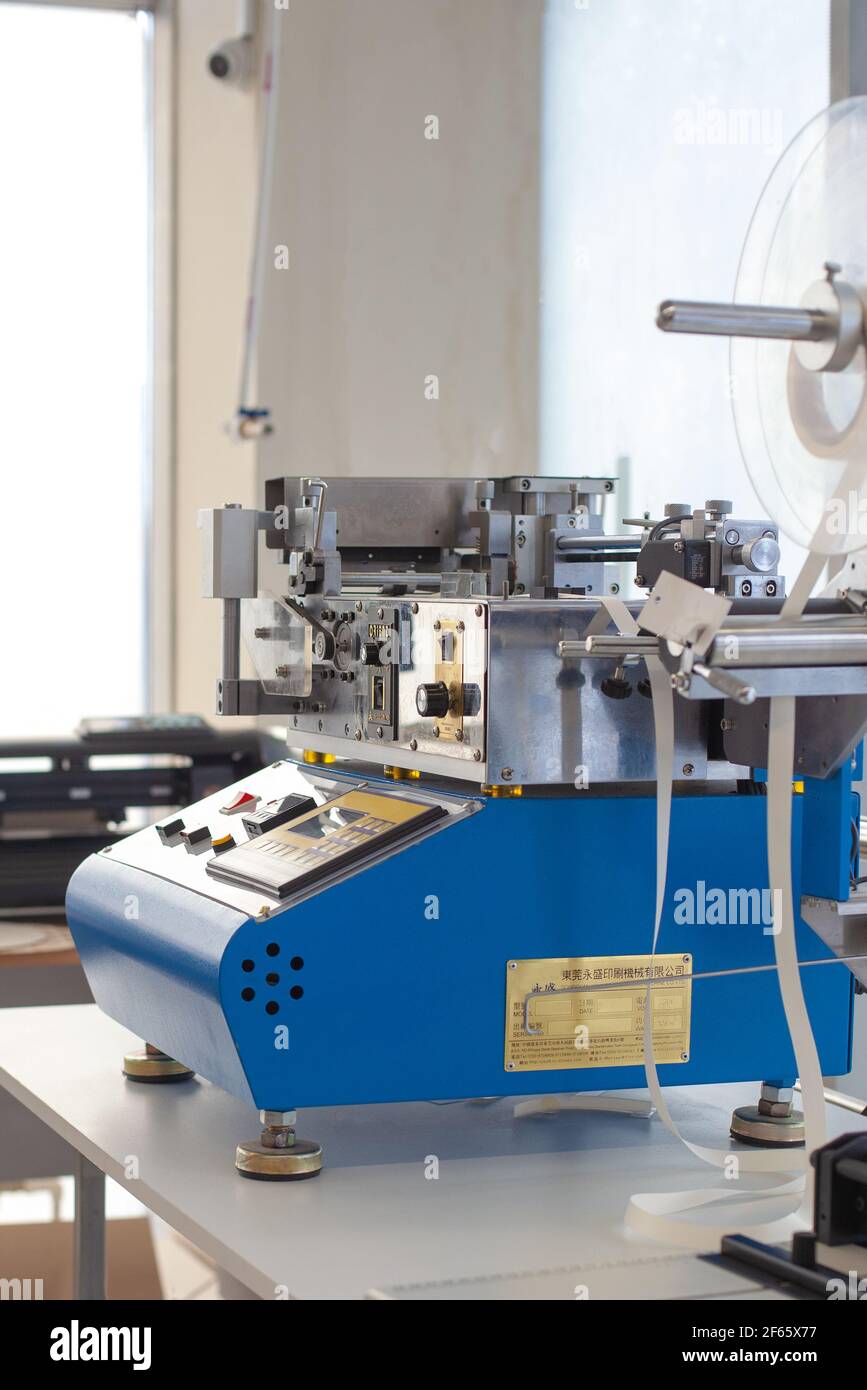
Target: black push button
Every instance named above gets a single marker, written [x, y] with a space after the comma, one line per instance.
[277, 813]
[170, 829]
[197, 835]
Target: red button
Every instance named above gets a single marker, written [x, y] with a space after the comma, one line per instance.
[244, 801]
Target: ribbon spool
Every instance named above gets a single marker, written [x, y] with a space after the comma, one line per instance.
[801, 415]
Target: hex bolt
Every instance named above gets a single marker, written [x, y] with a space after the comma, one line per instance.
[280, 1118]
[777, 1093]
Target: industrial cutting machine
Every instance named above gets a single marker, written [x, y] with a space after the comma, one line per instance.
[447, 887]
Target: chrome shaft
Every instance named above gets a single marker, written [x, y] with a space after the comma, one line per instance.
[746, 321]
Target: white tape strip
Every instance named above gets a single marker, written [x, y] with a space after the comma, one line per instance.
[781, 756]
[650, 1213]
[655, 1214]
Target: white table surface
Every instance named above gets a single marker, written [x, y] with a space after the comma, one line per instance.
[513, 1195]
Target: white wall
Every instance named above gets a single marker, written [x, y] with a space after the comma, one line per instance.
[409, 257]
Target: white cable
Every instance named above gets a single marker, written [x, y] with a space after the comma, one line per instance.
[271, 91]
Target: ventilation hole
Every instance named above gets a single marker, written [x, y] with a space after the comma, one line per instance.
[272, 949]
[297, 962]
[272, 1006]
[247, 965]
[248, 994]
[296, 992]
[272, 979]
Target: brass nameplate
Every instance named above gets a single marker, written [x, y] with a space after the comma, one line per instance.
[449, 669]
[588, 1011]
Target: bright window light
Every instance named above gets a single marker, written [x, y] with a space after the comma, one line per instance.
[661, 123]
[74, 365]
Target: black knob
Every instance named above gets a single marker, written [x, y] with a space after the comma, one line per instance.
[616, 688]
[432, 701]
[370, 653]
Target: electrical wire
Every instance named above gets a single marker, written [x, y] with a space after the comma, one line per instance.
[271, 92]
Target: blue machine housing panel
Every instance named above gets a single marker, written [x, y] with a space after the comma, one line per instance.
[404, 964]
[151, 951]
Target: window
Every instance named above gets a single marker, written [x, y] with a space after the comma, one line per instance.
[661, 123]
[74, 365]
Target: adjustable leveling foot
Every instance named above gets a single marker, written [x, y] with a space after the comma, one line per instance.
[278, 1155]
[154, 1066]
[773, 1123]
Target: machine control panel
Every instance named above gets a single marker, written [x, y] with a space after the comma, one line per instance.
[326, 838]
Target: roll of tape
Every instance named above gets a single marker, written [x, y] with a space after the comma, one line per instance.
[799, 428]
[826, 432]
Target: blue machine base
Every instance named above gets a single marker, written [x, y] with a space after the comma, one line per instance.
[403, 980]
